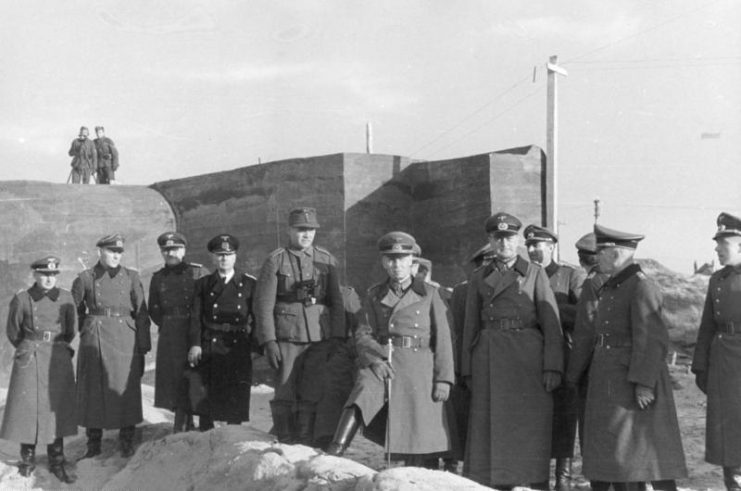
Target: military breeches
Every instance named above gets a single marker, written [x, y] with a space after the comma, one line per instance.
[287, 380]
[105, 175]
[81, 176]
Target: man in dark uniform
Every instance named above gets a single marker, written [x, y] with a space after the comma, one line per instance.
[631, 433]
[221, 322]
[512, 359]
[717, 360]
[114, 337]
[170, 299]
[297, 303]
[40, 404]
[107, 156]
[566, 282]
[84, 158]
[407, 314]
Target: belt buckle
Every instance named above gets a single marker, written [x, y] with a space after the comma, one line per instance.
[107, 311]
[730, 328]
[600, 340]
[406, 342]
[47, 336]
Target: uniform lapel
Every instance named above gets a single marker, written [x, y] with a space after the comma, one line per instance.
[500, 281]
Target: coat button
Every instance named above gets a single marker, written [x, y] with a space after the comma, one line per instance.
[416, 325]
[216, 305]
[239, 307]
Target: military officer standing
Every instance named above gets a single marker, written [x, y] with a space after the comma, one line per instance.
[170, 298]
[717, 360]
[409, 314]
[114, 337]
[107, 156]
[221, 323]
[40, 404]
[297, 303]
[512, 359]
[84, 158]
[631, 434]
[566, 283]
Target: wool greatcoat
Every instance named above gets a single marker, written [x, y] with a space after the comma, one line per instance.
[221, 324]
[718, 353]
[418, 424]
[170, 298]
[511, 335]
[84, 160]
[627, 344]
[114, 337]
[41, 396]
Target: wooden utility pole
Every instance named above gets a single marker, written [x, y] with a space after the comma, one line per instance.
[551, 145]
[368, 137]
[596, 210]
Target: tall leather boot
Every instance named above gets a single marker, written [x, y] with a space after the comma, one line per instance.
[94, 436]
[665, 485]
[305, 418]
[126, 441]
[55, 451]
[284, 427]
[732, 478]
[205, 423]
[179, 425]
[28, 459]
[599, 485]
[563, 474]
[345, 432]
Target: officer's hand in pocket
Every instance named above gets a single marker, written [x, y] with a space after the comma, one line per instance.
[644, 396]
[272, 353]
[382, 370]
[194, 355]
[551, 380]
[441, 392]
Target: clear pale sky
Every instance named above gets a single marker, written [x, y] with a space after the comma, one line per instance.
[193, 86]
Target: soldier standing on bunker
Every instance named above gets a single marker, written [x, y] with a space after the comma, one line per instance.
[221, 322]
[114, 337]
[84, 158]
[297, 303]
[631, 433]
[717, 360]
[512, 359]
[170, 298]
[107, 156]
[408, 313]
[566, 282]
[41, 396]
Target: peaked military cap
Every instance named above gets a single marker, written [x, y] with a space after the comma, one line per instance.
[534, 233]
[171, 240]
[396, 243]
[114, 242]
[503, 223]
[587, 244]
[48, 265]
[607, 237]
[482, 253]
[223, 244]
[417, 250]
[728, 225]
[303, 217]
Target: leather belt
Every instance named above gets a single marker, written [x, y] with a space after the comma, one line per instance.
[504, 324]
[176, 312]
[291, 298]
[110, 312]
[409, 342]
[226, 327]
[608, 340]
[729, 328]
[44, 336]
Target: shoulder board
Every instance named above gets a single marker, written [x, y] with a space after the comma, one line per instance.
[130, 270]
[249, 276]
[322, 250]
[277, 252]
[375, 287]
[641, 275]
[20, 291]
[195, 265]
[565, 266]
[64, 290]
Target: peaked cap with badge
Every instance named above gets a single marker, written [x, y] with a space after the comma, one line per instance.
[113, 242]
[303, 218]
[607, 237]
[587, 244]
[397, 243]
[535, 233]
[171, 240]
[223, 244]
[46, 265]
[728, 226]
[503, 224]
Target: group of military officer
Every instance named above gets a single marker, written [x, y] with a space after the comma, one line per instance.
[527, 349]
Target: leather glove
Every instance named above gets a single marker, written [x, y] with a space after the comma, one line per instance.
[644, 396]
[441, 392]
[701, 380]
[272, 353]
[194, 355]
[382, 370]
[551, 380]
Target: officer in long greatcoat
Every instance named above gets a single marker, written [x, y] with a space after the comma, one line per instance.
[220, 336]
[512, 359]
[717, 360]
[566, 283]
[40, 406]
[170, 299]
[84, 158]
[298, 304]
[107, 154]
[408, 314]
[114, 337]
[631, 434]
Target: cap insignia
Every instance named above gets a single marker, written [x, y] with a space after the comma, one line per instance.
[530, 235]
[502, 225]
[119, 243]
[170, 242]
[51, 265]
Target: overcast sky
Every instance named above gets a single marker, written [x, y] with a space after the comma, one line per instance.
[193, 86]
